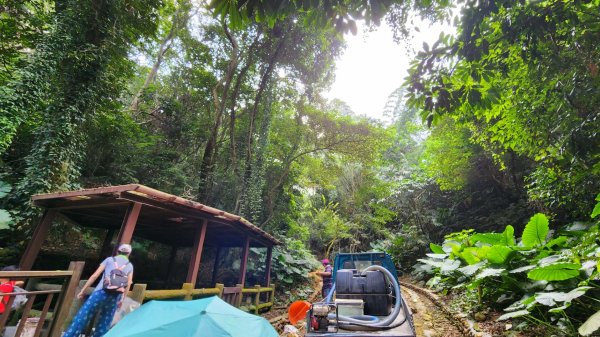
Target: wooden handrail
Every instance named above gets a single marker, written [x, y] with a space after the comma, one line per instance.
[66, 292]
[17, 275]
[187, 292]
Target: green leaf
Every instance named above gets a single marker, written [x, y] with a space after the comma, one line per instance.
[591, 325]
[491, 238]
[535, 231]
[436, 248]
[509, 235]
[4, 189]
[522, 269]
[449, 266]
[596, 210]
[489, 272]
[550, 299]
[5, 219]
[498, 254]
[471, 269]
[432, 263]
[513, 315]
[470, 255]
[555, 272]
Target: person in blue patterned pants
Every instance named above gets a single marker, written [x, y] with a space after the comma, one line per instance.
[103, 302]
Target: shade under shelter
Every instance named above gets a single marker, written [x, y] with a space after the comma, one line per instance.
[143, 212]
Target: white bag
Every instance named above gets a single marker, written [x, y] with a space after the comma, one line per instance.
[128, 306]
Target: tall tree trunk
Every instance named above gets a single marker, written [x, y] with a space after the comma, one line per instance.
[252, 119]
[233, 105]
[179, 20]
[207, 164]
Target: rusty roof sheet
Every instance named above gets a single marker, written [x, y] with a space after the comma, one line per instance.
[108, 195]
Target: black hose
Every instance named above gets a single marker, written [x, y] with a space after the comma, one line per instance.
[388, 322]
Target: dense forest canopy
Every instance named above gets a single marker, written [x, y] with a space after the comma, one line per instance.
[222, 103]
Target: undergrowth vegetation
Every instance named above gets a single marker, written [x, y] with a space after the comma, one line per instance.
[548, 277]
[291, 265]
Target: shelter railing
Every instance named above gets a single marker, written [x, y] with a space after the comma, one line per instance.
[54, 303]
[252, 299]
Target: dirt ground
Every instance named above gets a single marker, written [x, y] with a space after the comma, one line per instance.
[428, 319]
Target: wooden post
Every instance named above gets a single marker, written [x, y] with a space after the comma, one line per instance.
[188, 287]
[35, 244]
[137, 293]
[272, 299]
[218, 257]
[194, 266]
[268, 263]
[65, 300]
[220, 286]
[238, 299]
[244, 263]
[128, 226]
[257, 298]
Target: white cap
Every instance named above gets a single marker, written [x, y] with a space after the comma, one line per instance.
[124, 248]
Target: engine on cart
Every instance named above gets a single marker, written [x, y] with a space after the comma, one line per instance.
[323, 317]
[357, 294]
[363, 293]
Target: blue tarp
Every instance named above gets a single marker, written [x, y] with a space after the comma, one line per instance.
[210, 317]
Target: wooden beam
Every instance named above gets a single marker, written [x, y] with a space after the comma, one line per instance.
[195, 259]
[35, 244]
[76, 204]
[99, 190]
[244, 263]
[128, 226]
[268, 269]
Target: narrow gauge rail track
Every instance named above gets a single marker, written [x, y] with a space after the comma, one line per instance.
[458, 325]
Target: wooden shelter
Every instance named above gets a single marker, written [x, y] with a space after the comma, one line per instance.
[140, 211]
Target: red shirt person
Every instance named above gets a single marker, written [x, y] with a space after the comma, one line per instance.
[6, 286]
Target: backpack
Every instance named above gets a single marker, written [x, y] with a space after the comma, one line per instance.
[116, 280]
[21, 299]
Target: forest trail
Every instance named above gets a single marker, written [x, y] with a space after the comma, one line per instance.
[428, 319]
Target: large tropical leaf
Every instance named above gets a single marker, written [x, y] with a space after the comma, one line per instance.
[551, 298]
[509, 235]
[436, 248]
[489, 272]
[591, 325]
[5, 219]
[498, 254]
[522, 269]
[4, 189]
[449, 266]
[470, 255]
[435, 264]
[471, 269]
[437, 256]
[535, 231]
[513, 315]
[596, 210]
[489, 238]
[555, 272]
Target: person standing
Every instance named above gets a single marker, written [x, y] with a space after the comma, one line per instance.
[117, 276]
[6, 286]
[327, 276]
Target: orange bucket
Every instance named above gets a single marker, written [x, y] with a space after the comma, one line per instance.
[297, 311]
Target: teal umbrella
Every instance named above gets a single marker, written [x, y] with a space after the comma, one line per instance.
[210, 317]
